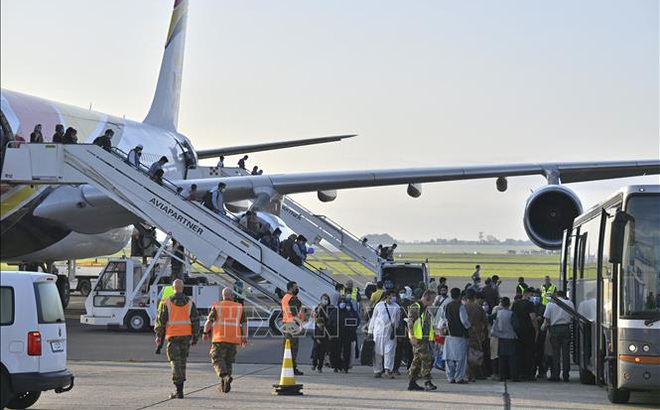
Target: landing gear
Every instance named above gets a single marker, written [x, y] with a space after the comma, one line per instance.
[85, 287]
[65, 290]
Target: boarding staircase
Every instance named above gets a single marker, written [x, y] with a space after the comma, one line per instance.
[314, 227]
[212, 239]
[319, 227]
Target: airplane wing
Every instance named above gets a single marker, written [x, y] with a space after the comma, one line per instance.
[244, 149]
[250, 186]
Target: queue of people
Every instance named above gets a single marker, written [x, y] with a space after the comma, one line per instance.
[67, 136]
[476, 333]
[518, 340]
[458, 331]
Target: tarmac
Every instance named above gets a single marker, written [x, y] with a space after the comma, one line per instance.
[118, 369]
[103, 385]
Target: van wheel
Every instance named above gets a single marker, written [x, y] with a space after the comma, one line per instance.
[137, 321]
[24, 400]
[618, 395]
[85, 287]
[65, 290]
[5, 390]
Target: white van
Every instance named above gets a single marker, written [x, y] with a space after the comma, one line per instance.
[32, 339]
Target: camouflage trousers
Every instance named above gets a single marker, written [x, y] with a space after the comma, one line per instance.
[177, 353]
[222, 356]
[422, 361]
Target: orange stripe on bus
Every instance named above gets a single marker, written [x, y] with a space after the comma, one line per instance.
[640, 359]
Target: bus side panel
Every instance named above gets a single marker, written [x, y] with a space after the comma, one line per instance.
[638, 376]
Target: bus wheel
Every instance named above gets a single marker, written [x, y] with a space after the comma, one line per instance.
[618, 395]
[586, 377]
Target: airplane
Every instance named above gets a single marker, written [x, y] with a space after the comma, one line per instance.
[60, 223]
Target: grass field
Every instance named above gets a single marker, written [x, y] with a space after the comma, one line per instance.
[440, 264]
[443, 264]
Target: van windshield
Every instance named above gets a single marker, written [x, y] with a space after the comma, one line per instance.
[49, 305]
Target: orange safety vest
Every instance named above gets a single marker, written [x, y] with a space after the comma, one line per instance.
[227, 326]
[178, 320]
[287, 316]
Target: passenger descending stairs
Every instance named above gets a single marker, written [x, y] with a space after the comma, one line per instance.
[318, 227]
[212, 239]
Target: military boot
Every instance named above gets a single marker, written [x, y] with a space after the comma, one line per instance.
[178, 394]
[227, 383]
[429, 386]
[413, 386]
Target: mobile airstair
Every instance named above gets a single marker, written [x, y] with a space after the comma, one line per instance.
[212, 239]
[316, 228]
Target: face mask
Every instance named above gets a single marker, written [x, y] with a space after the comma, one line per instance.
[295, 292]
[402, 296]
[342, 305]
[393, 299]
[324, 301]
[535, 300]
[485, 307]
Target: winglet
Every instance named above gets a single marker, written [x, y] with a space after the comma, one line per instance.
[164, 111]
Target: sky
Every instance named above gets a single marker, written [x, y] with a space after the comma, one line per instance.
[423, 83]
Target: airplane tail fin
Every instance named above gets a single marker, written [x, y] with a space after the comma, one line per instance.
[164, 111]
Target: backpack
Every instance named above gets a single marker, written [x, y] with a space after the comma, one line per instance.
[285, 248]
[207, 201]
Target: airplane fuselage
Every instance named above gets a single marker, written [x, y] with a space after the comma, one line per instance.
[55, 223]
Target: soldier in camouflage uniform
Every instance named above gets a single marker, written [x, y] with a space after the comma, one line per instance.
[177, 345]
[227, 330]
[420, 332]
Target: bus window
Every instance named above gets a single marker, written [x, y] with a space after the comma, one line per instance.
[640, 284]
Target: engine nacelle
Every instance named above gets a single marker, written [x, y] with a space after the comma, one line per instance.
[548, 212]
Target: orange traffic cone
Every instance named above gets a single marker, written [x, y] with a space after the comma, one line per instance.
[287, 386]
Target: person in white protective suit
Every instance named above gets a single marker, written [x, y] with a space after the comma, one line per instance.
[382, 328]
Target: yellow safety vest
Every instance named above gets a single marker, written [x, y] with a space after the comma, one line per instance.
[353, 293]
[168, 291]
[418, 332]
[545, 294]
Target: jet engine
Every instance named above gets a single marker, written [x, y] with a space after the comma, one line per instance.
[548, 212]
